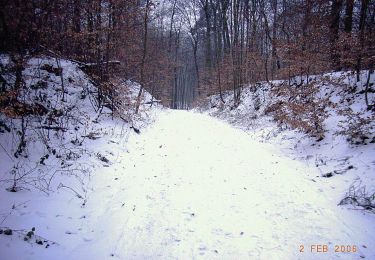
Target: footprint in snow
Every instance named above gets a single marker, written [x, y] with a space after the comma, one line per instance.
[189, 215]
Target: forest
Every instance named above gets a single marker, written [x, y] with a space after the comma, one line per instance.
[183, 50]
[187, 129]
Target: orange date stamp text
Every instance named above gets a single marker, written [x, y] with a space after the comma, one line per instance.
[324, 248]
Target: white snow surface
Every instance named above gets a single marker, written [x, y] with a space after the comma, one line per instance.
[189, 187]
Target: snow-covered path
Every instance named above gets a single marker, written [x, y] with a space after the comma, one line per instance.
[192, 187]
[196, 187]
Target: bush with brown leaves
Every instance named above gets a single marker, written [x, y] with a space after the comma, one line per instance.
[298, 107]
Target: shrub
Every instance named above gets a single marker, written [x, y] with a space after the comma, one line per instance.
[359, 196]
[298, 107]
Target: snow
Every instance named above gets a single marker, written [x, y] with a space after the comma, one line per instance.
[189, 186]
[353, 163]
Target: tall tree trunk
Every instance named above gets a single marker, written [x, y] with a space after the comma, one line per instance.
[361, 28]
[145, 36]
[174, 80]
[207, 16]
[196, 66]
[217, 41]
[334, 28]
[77, 16]
[224, 17]
[348, 16]
[274, 29]
[98, 41]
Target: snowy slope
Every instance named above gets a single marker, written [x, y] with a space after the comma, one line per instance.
[62, 139]
[187, 187]
[192, 187]
[342, 161]
[64, 144]
[342, 165]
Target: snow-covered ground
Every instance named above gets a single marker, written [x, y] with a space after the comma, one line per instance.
[340, 161]
[189, 186]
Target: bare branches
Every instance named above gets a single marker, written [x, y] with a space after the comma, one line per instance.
[359, 196]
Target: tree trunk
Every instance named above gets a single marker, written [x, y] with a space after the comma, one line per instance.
[361, 28]
[143, 56]
[334, 28]
[348, 16]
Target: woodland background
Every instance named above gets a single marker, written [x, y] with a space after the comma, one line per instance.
[182, 50]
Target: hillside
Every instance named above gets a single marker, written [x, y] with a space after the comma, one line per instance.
[165, 184]
[54, 138]
[187, 129]
[341, 148]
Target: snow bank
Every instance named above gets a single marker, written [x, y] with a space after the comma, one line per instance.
[188, 186]
[70, 119]
[65, 141]
[342, 160]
